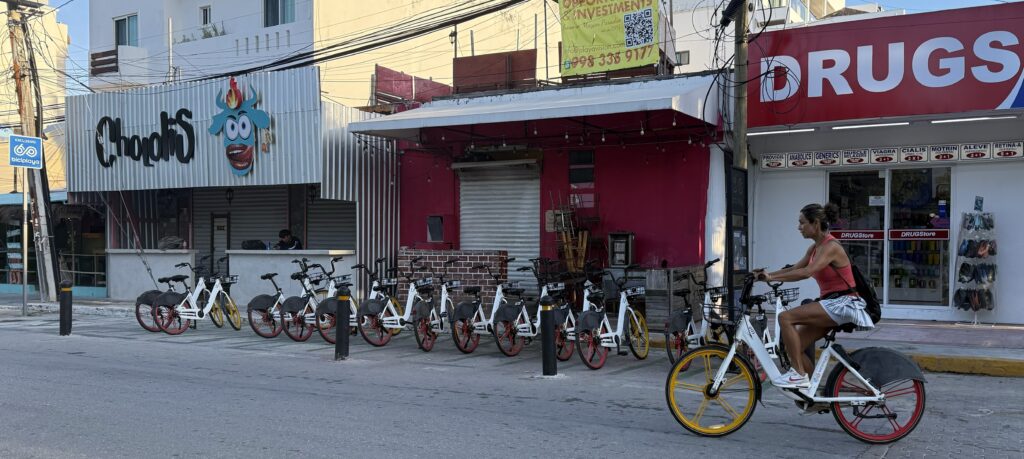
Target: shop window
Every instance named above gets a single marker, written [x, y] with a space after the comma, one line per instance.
[435, 228]
[682, 58]
[918, 261]
[126, 31]
[581, 169]
[205, 16]
[861, 199]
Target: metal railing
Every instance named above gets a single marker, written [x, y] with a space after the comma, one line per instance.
[86, 270]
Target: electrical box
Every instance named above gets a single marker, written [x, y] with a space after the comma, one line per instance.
[620, 249]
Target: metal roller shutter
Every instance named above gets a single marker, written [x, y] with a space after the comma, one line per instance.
[255, 213]
[499, 209]
[331, 224]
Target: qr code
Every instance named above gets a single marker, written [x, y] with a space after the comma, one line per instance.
[639, 28]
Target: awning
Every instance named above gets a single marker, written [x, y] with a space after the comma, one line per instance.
[689, 96]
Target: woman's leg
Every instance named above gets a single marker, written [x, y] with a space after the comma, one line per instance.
[813, 317]
[809, 334]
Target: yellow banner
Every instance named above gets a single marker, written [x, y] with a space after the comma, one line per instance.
[603, 35]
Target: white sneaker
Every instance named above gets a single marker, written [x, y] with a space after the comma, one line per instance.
[793, 380]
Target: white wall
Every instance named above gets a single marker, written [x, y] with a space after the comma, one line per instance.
[777, 200]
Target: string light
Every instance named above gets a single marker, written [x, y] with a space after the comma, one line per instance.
[602, 136]
[534, 129]
[673, 120]
[641, 128]
[566, 136]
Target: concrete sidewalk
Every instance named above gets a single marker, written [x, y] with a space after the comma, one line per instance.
[991, 350]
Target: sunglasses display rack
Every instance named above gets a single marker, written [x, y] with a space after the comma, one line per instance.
[976, 264]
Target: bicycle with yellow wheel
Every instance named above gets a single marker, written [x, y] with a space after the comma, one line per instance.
[595, 334]
[876, 394]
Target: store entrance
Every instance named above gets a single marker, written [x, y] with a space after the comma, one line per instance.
[895, 226]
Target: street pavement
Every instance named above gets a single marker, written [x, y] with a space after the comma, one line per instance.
[114, 390]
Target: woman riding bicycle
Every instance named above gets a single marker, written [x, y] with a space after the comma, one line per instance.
[829, 265]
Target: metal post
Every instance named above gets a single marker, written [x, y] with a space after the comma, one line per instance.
[547, 336]
[341, 317]
[24, 243]
[65, 307]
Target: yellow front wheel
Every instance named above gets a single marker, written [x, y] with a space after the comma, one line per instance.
[217, 314]
[400, 310]
[701, 410]
[231, 311]
[639, 337]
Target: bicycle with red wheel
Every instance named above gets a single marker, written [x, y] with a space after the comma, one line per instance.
[876, 395]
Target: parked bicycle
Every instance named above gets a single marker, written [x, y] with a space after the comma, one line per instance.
[175, 312]
[514, 328]
[144, 309]
[316, 307]
[595, 334]
[876, 395]
[469, 318]
[685, 329]
[430, 320]
[381, 304]
[264, 311]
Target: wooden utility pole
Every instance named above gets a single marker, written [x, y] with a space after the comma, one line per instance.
[736, 157]
[26, 78]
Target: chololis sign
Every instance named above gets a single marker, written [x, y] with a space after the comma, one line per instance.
[931, 63]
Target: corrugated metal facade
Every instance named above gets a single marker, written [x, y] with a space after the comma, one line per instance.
[331, 224]
[291, 98]
[134, 218]
[372, 166]
[499, 209]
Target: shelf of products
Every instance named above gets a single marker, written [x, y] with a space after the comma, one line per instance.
[976, 263]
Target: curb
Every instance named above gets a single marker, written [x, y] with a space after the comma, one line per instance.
[106, 311]
[936, 363]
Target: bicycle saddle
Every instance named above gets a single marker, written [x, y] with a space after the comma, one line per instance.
[681, 292]
[178, 277]
[515, 291]
[268, 276]
[163, 279]
[471, 290]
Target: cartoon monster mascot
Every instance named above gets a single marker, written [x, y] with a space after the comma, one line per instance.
[239, 119]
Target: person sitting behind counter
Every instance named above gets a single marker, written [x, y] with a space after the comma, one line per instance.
[288, 242]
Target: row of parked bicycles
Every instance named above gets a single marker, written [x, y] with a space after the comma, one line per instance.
[723, 352]
[429, 309]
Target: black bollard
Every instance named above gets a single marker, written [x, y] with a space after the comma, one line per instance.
[547, 336]
[341, 317]
[65, 307]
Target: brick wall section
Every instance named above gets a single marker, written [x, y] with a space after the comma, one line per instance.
[462, 270]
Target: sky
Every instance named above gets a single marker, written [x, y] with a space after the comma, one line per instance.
[76, 15]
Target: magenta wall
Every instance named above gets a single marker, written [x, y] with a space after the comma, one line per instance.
[428, 187]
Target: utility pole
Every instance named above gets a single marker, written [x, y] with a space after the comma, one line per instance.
[737, 11]
[47, 262]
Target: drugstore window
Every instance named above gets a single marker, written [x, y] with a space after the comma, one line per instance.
[894, 225]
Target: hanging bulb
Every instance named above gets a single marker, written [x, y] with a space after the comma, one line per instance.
[442, 137]
[503, 141]
[641, 128]
[566, 135]
[602, 136]
[689, 140]
[673, 120]
[472, 145]
[623, 143]
[534, 129]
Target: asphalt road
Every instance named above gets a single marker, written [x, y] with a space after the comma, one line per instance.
[114, 390]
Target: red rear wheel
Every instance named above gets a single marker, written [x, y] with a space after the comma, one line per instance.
[465, 336]
[425, 336]
[564, 346]
[675, 346]
[373, 331]
[296, 328]
[896, 417]
[588, 343]
[263, 323]
[170, 322]
[505, 336]
[326, 325]
[146, 315]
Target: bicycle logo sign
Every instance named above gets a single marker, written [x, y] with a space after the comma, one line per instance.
[26, 152]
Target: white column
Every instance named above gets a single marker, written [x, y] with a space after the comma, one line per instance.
[714, 223]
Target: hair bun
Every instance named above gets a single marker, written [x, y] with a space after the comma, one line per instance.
[831, 213]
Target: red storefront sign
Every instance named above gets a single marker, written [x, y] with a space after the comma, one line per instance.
[930, 63]
[855, 235]
[918, 234]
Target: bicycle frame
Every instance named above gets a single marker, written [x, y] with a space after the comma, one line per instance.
[614, 338]
[529, 328]
[747, 334]
[189, 308]
[394, 321]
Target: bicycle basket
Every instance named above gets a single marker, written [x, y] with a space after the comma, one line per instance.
[635, 291]
[787, 295]
[716, 293]
[342, 278]
[716, 311]
[316, 278]
[424, 282]
[452, 284]
[229, 279]
[512, 284]
[388, 282]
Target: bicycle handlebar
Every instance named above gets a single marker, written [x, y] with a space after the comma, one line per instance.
[711, 263]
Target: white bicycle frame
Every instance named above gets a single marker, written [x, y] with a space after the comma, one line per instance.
[437, 319]
[746, 333]
[481, 322]
[189, 307]
[614, 338]
[394, 321]
[529, 328]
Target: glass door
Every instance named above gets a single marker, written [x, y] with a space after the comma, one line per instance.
[919, 237]
[861, 198]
